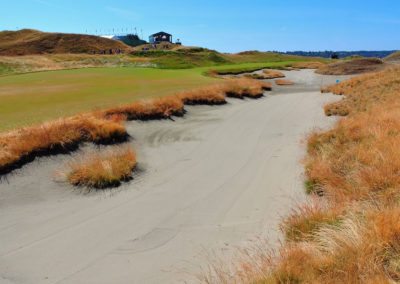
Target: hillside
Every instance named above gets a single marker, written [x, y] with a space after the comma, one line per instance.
[175, 56]
[355, 66]
[29, 42]
[178, 57]
[394, 57]
[343, 54]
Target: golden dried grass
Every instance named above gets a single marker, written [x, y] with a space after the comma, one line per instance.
[102, 169]
[60, 136]
[159, 108]
[244, 87]
[212, 95]
[272, 74]
[283, 82]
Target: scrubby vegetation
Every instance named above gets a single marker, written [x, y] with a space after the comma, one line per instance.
[349, 232]
[102, 169]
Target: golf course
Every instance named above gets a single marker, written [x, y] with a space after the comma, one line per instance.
[199, 142]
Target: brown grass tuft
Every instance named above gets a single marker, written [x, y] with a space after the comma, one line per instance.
[212, 95]
[272, 74]
[282, 82]
[159, 108]
[102, 170]
[244, 87]
[308, 218]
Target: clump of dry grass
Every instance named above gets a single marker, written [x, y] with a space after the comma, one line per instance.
[212, 95]
[102, 170]
[363, 248]
[244, 87]
[61, 136]
[283, 82]
[308, 218]
[273, 74]
[159, 108]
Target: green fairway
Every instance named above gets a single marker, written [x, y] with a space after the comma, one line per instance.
[32, 98]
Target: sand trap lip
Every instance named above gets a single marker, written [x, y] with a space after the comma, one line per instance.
[211, 180]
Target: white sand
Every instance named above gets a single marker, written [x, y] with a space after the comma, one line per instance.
[209, 181]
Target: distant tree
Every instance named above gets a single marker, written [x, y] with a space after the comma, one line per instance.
[334, 56]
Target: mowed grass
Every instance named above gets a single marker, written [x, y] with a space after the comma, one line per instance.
[37, 97]
[33, 98]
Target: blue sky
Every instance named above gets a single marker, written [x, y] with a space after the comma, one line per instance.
[228, 26]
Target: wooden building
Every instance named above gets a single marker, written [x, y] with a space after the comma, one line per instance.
[160, 37]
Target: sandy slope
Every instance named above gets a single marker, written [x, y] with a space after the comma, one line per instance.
[208, 181]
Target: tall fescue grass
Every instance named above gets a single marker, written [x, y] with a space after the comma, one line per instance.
[159, 108]
[102, 169]
[244, 87]
[212, 95]
[272, 74]
[350, 230]
[106, 126]
[60, 136]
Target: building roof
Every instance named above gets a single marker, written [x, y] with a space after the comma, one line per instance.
[161, 33]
